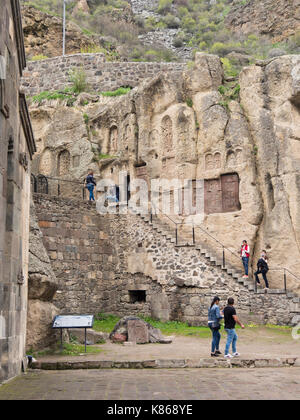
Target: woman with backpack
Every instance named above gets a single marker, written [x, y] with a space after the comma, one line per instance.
[214, 317]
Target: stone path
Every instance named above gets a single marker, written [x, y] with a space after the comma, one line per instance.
[143, 385]
[252, 343]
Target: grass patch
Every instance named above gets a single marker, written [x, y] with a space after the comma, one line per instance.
[101, 156]
[105, 322]
[63, 95]
[178, 328]
[38, 57]
[118, 92]
[69, 349]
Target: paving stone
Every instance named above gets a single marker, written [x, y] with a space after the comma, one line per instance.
[153, 384]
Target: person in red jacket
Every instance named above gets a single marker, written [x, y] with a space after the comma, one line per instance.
[245, 254]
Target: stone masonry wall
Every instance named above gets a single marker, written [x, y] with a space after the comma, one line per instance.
[81, 255]
[103, 262]
[53, 73]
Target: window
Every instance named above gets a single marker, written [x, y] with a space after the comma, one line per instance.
[137, 296]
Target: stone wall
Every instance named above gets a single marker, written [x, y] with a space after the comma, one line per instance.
[16, 150]
[120, 264]
[80, 251]
[53, 73]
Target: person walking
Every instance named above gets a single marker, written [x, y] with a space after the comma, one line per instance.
[262, 268]
[90, 185]
[214, 317]
[231, 319]
[245, 254]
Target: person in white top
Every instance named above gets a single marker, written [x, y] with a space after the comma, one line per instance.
[245, 254]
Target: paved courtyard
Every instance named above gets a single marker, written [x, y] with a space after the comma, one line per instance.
[157, 384]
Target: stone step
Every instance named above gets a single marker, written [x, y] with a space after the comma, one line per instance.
[170, 235]
[166, 363]
[272, 291]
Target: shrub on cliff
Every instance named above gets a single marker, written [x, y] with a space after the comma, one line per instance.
[78, 79]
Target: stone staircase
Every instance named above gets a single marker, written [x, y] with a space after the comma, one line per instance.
[166, 230]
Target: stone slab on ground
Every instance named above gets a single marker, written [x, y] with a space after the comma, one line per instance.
[137, 332]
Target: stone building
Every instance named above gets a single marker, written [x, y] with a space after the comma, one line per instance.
[17, 147]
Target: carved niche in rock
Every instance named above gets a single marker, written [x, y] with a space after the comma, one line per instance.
[168, 167]
[153, 139]
[113, 139]
[45, 166]
[63, 163]
[221, 195]
[183, 124]
[213, 161]
[167, 134]
[127, 134]
[141, 172]
[234, 158]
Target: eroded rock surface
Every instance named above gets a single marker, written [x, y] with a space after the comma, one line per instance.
[42, 286]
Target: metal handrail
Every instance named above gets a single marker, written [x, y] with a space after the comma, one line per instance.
[215, 239]
[59, 182]
[65, 180]
[158, 211]
[285, 270]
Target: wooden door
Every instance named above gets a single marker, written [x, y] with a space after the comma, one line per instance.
[230, 193]
[213, 196]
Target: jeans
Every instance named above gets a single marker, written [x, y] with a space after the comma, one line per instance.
[91, 191]
[264, 274]
[216, 337]
[231, 339]
[245, 263]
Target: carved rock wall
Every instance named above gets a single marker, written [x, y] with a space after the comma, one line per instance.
[177, 127]
[269, 97]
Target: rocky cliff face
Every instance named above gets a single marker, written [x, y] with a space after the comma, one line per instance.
[277, 19]
[186, 128]
[43, 35]
[270, 99]
[42, 287]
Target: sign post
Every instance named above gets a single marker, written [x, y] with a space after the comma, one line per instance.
[73, 321]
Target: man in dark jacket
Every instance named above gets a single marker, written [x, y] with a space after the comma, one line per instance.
[262, 268]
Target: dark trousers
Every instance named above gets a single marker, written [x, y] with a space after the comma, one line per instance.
[264, 274]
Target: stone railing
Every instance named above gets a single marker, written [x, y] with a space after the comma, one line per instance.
[53, 73]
